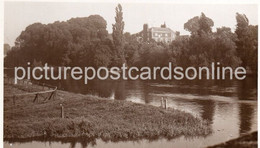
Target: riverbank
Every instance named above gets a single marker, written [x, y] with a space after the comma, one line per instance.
[246, 141]
[89, 116]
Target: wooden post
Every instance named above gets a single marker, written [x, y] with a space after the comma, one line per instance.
[51, 96]
[165, 103]
[162, 102]
[43, 86]
[62, 111]
[36, 98]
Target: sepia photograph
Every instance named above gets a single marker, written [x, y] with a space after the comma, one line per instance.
[129, 74]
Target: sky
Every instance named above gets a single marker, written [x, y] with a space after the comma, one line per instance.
[18, 15]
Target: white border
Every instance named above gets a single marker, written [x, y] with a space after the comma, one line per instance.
[111, 1]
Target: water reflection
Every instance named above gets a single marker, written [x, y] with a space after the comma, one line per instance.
[246, 115]
[230, 106]
[51, 144]
[207, 108]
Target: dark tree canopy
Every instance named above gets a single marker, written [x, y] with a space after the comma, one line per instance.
[247, 42]
[61, 43]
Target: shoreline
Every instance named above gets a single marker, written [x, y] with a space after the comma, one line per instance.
[244, 141]
[92, 117]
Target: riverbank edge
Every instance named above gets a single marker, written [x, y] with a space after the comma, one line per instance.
[245, 141]
[179, 124]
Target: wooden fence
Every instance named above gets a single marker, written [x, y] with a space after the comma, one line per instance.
[50, 91]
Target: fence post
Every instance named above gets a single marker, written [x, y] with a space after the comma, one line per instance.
[162, 102]
[62, 111]
[36, 98]
[165, 103]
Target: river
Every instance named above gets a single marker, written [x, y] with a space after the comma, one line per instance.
[230, 106]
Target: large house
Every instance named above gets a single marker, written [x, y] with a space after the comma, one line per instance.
[158, 34]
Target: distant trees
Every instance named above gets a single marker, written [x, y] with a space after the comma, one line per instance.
[204, 46]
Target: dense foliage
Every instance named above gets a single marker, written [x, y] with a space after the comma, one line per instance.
[86, 42]
[79, 41]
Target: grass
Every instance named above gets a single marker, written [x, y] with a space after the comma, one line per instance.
[89, 116]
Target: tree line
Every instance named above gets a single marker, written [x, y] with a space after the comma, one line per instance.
[86, 42]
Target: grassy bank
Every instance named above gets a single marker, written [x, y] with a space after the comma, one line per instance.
[93, 117]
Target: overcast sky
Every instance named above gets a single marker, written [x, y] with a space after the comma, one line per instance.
[18, 15]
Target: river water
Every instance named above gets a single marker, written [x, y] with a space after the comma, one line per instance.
[230, 106]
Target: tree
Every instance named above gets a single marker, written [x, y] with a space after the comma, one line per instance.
[131, 52]
[224, 50]
[254, 51]
[247, 42]
[199, 24]
[200, 43]
[179, 50]
[118, 37]
[152, 54]
[127, 37]
[71, 43]
[205, 46]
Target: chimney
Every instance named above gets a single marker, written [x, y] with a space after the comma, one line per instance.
[163, 25]
[145, 32]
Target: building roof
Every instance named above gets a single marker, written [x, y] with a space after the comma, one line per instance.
[183, 37]
[161, 29]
